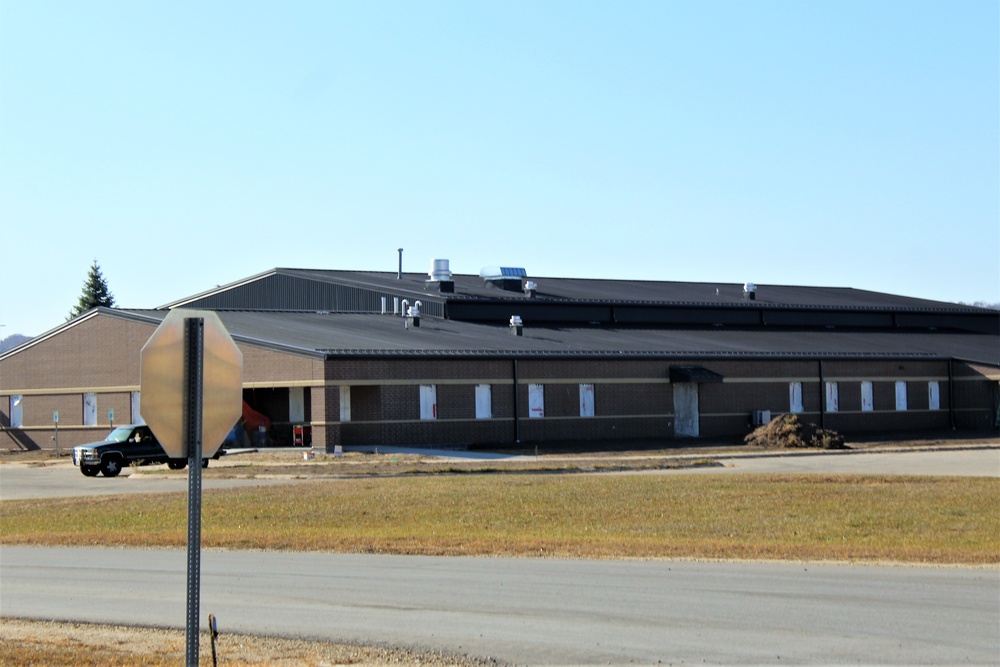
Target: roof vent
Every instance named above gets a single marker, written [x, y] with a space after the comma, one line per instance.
[411, 314]
[505, 277]
[530, 289]
[516, 326]
[440, 276]
[749, 292]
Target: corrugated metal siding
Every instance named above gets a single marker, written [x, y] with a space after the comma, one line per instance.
[282, 292]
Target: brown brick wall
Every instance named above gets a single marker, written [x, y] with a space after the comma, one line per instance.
[633, 398]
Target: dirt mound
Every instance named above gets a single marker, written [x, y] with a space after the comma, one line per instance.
[789, 432]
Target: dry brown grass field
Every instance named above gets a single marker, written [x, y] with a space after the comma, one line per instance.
[583, 505]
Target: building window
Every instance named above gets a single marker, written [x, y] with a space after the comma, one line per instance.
[933, 395]
[484, 402]
[90, 409]
[428, 401]
[901, 396]
[16, 412]
[795, 397]
[345, 404]
[296, 405]
[867, 396]
[832, 397]
[536, 400]
[135, 417]
[586, 400]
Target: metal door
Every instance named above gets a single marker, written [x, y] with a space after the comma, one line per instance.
[685, 410]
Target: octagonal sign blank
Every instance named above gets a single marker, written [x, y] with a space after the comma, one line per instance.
[161, 383]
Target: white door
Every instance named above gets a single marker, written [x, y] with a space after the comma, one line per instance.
[484, 402]
[867, 396]
[686, 409]
[428, 401]
[536, 400]
[586, 400]
[795, 397]
[832, 397]
[901, 396]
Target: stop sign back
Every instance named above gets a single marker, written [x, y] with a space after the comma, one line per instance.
[162, 388]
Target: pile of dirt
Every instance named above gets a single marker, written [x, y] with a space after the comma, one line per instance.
[789, 432]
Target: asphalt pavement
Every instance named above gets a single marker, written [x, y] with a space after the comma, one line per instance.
[535, 611]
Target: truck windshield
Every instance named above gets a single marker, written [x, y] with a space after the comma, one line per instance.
[119, 434]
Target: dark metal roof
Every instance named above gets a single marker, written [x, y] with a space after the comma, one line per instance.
[562, 301]
[417, 285]
[340, 334]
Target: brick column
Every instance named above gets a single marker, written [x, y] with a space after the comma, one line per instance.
[325, 404]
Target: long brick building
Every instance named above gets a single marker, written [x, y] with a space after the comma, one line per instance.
[499, 358]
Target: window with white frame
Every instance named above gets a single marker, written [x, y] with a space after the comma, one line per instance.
[428, 401]
[296, 405]
[832, 397]
[345, 403]
[867, 396]
[795, 397]
[933, 395]
[901, 396]
[16, 411]
[536, 400]
[484, 401]
[90, 409]
[586, 400]
[135, 402]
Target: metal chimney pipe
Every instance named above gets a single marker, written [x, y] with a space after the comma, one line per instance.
[399, 274]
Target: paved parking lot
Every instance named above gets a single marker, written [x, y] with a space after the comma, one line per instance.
[50, 479]
[62, 479]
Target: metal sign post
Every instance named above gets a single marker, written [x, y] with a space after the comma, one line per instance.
[194, 356]
[192, 394]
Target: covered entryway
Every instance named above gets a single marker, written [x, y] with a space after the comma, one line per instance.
[685, 380]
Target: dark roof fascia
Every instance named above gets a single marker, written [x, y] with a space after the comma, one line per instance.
[631, 354]
[707, 305]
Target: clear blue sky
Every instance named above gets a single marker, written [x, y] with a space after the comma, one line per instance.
[185, 145]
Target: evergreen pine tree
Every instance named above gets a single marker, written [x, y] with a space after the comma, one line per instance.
[95, 293]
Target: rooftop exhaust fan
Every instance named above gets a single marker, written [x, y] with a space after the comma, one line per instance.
[440, 276]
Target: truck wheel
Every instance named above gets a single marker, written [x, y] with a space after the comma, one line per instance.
[111, 466]
[177, 464]
[204, 463]
[90, 471]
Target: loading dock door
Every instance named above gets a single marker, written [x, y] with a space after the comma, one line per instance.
[685, 409]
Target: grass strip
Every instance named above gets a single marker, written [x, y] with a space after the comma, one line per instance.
[797, 517]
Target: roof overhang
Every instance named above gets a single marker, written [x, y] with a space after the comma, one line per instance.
[693, 374]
